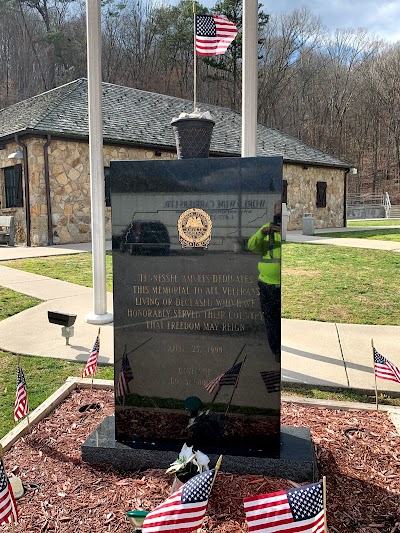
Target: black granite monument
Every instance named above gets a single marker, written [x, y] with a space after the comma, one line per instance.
[197, 352]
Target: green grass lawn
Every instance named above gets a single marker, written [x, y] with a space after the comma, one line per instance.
[337, 284]
[339, 395]
[12, 302]
[375, 222]
[76, 268]
[389, 234]
[43, 375]
[327, 283]
[319, 282]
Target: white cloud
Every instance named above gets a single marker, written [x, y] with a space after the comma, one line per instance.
[380, 19]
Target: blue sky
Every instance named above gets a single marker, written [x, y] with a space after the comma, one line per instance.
[381, 18]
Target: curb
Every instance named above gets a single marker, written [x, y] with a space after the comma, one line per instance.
[73, 383]
[48, 405]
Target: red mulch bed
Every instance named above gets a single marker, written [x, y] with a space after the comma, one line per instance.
[357, 451]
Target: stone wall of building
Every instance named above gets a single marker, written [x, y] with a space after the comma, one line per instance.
[70, 190]
[302, 195]
[37, 191]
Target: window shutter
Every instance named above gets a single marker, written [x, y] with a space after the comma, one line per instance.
[107, 186]
[19, 196]
[284, 192]
[321, 193]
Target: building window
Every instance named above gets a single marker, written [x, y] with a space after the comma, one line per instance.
[321, 193]
[284, 192]
[107, 186]
[13, 186]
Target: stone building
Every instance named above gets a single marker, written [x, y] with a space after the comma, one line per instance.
[48, 188]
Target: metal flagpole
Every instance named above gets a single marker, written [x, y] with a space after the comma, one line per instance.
[194, 59]
[376, 387]
[249, 78]
[97, 195]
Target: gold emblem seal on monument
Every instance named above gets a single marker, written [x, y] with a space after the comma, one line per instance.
[194, 228]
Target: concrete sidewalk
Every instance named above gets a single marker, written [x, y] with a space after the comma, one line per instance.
[298, 237]
[8, 253]
[313, 353]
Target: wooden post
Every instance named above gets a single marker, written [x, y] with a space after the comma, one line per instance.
[324, 502]
[376, 387]
[217, 467]
[97, 362]
[11, 515]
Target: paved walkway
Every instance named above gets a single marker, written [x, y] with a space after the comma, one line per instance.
[316, 353]
[297, 236]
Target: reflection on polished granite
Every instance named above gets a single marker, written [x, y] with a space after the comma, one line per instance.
[295, 461]
[187, 304]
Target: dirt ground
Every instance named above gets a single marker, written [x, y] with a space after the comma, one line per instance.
[357, 451]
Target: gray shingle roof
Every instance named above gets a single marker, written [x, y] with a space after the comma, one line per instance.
[143, 118]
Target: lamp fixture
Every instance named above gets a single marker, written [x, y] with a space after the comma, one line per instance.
[16, 155]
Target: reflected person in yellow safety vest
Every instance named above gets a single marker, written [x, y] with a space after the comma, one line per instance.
[267, 242]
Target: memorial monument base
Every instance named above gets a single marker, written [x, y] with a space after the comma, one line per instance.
[296, 460]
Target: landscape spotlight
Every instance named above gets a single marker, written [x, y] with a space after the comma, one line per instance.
[65, 320]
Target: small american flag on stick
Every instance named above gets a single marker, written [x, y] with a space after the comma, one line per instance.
[125, 376]
[214, 33]
[272, 380]
[91, 365]
[290, 511]
[8, 507]
[21, 406]
[384, 369]
[229, 377]
[185, 509]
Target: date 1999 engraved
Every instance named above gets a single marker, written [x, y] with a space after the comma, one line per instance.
[180, 348]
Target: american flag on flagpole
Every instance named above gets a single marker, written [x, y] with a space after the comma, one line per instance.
[125, 376]
[91, 365]
[272, 380]
[299, 510]
[214, 33]
[384, 369]
[229, 377]
[185, 509]
[8, 507]
[21, 406]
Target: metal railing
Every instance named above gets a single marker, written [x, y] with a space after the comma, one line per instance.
[373, 199]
